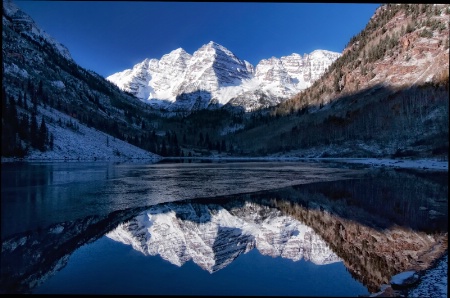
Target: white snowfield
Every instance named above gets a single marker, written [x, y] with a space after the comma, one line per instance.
[84, 143]
[222, 77]
[434, 282]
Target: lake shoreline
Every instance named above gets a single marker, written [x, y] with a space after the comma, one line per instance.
[421, 164]
[431, 165]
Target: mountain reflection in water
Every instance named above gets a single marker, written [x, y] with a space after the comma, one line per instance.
[379, 224]
[213, 235]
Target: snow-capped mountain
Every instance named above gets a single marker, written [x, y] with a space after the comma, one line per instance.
[23, 21]
[75, 104]
[213, 76]
[213, 236]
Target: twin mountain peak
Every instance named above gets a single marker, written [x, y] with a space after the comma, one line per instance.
[213, 77]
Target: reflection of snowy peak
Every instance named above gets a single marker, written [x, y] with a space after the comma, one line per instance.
[213, 236]
[213, 76]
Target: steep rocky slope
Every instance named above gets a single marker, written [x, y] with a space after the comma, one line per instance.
[402, 45]
[42, 84]
[387, 95]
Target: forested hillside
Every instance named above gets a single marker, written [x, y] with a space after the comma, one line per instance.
[40, 80]
[386, 96]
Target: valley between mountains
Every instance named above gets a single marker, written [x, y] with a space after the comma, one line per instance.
[386, 95]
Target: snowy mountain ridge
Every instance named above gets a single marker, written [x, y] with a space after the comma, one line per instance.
[213, 76]
[213, 236]
[23, 21]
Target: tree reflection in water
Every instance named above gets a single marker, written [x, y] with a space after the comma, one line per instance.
[384, 223]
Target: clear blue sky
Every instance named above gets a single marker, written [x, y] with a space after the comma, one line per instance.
[111, 36]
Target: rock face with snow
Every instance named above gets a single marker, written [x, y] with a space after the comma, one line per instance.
[213, 235]
[213, 76]
[22, 22]
[84, 114]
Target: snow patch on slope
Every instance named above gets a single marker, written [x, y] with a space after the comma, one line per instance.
[85, 143]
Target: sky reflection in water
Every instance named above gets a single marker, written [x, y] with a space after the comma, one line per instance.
[248, 240]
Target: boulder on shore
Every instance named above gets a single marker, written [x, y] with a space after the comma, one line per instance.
[404, 280]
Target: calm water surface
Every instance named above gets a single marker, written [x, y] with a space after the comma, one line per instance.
[241, 228]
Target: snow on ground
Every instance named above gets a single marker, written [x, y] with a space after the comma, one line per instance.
[422, 164]
[431, 164]
[91, 144]
[434, 282]
[403, 277]
[83, 143]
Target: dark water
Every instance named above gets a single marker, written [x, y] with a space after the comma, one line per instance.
[241, 228]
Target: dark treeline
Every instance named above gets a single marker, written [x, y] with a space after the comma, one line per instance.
[21, 129]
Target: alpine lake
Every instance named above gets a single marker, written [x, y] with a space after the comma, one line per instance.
[203, 227]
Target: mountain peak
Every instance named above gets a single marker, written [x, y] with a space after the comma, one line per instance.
[322, 53]
[9, 7]
[213, 44]
[176, 54]
[27, 26]
[216, 47]
[216, 70]
[179, 51]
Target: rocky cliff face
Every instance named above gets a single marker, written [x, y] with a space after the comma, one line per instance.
[213, 236]
[21, 22]
[387, 94]
[402, 45]
[213, 76]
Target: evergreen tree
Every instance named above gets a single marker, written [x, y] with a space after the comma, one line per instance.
[207, 141]
[218, 146]
[40, 90]
[34, 131]
[51, 141]
[19, 100]
[12, 115]
[24, 127]
[35, 103]
[200, 139]
[11, 143]
[4, 103]
[223, 146]
[174, 139]
[163, 151]
[25, 104]
[42, 139]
